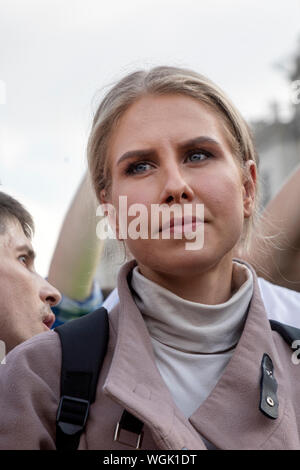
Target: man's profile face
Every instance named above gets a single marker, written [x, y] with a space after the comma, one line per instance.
[25, 297]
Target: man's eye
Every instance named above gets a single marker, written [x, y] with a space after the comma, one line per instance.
[23, 259]
[135, 168]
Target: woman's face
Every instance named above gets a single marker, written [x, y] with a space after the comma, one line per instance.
[172, 149]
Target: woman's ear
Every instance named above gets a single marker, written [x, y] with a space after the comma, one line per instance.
[103, 196]
[249, 188]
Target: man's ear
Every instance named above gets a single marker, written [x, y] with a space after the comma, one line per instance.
[249, 188]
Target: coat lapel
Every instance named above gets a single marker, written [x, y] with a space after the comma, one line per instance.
[230, 416]
[134, 380]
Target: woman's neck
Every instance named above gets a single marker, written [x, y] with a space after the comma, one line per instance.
[194, 327]
[211, 286]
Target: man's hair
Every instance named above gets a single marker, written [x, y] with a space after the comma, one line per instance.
[11, 209]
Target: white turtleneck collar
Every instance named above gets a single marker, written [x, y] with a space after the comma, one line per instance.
[190, 326]
[192, 342]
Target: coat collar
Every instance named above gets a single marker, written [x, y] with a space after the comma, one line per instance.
[229, 417]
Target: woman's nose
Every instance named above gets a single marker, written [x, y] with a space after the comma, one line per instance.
[176, 189]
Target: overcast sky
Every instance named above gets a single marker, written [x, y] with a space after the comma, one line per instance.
[56, 56]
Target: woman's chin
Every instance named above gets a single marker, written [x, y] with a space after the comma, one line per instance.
[179, 262]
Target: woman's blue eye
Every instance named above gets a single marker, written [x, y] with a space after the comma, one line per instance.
[198, 156]
[135, 168]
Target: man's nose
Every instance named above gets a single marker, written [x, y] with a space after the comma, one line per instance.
[49, 294]
[176, 188]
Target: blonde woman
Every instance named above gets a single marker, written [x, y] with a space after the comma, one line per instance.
[192, 361]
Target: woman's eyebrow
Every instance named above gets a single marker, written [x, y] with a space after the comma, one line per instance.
[142, 153]
[199, 141]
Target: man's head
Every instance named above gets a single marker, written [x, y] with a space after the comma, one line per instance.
[25, 297]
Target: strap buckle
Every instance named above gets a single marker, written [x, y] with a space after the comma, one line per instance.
[72, 414]
[117, 437]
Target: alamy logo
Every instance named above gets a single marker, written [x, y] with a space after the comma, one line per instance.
[2, 352]
[296, 354]
[159, 221]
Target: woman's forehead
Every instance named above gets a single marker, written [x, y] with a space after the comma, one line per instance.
[154, 119]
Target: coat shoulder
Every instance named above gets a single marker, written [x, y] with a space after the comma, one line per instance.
[281, 304]
[40, 349]
[30, 388]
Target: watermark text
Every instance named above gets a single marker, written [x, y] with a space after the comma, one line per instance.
[157, 221]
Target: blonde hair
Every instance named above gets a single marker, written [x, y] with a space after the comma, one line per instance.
[164, 81]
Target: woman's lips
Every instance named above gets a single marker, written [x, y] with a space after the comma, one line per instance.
[182, 225]
[189, 227]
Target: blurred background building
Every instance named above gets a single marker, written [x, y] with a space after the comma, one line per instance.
[278, 141]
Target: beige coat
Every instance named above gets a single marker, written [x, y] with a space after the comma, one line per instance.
[230, 417]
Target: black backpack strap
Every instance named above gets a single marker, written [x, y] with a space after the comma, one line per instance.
[289, 333]
[84, 343]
